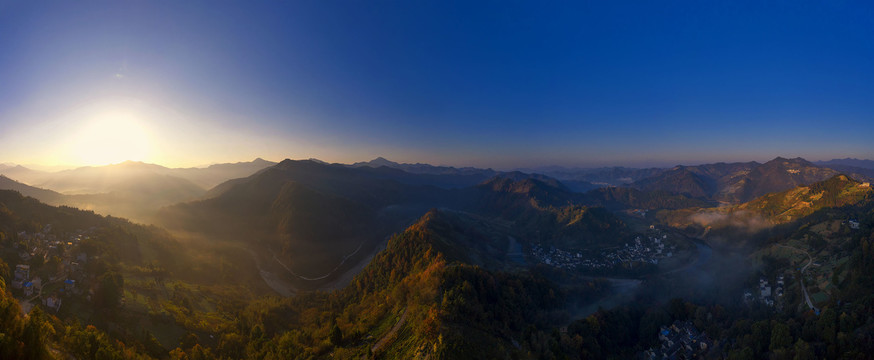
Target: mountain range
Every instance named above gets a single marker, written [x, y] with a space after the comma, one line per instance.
[735, 225]
[739, 182]
[318, 220]
[857, 163]
[423, 263]
[130, 189]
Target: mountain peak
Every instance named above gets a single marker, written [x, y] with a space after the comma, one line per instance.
[131, 163]
[318, 161]
[381, 161]
[796, 161]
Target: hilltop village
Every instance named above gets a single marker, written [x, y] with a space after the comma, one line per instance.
[50, 268]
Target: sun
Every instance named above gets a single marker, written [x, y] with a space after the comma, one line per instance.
[109, 138]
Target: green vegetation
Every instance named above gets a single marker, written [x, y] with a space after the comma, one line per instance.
[805, 200]
[768, 216]
[413, 301]
[129, 277]
[443, 288]
[616, 198]
[547, 214]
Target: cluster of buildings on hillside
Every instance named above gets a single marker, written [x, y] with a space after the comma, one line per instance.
[46, 245]
[680, 340]
[766, 294]
[643, 250]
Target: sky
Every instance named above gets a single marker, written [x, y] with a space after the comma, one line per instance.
[497, 84]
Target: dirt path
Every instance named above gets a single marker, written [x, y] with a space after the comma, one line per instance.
[391, 334]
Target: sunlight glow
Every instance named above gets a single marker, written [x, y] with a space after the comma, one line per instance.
[110, 137]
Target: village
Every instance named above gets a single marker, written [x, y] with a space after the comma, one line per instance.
[766, 294]
[49, 268]
[816, 268]
[644, 249]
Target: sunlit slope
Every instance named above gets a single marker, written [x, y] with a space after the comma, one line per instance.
[793, 204]
[419, 298]
[737, 183]
[769, 210]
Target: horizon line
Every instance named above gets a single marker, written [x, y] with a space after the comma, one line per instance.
[65, 167]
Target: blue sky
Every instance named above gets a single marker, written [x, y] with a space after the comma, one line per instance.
[492, 83]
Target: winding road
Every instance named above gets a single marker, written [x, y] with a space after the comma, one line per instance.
[804, 288]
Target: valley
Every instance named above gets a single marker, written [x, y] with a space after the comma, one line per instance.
[436, 180]
[394, 261]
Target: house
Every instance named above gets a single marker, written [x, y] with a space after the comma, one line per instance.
[53, 302]
[22, 272]
[28, 288]
[854, 224]
[69, 284]
[680, 340]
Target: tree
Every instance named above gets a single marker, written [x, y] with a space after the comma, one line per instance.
[111, 290]
[232, 346]
[760, 337]
[200, 353]
[336, 335]
[33, 336]
[152, 346]
[187, 341]
[780, 336]
[803, 351]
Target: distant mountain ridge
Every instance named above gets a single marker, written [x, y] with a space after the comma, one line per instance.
[43, 195]
[859, 163]
[421, 168]
[310, 215]
[130, 189]
[135, 186]
[452, 177]
[275, 210]
[96, 179]
[738, 182]
[603, 176]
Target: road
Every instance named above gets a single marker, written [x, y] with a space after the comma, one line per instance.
[804, 288]
[285, 288]
[390, 335]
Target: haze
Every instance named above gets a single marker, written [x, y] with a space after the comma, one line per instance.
[500, 84]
